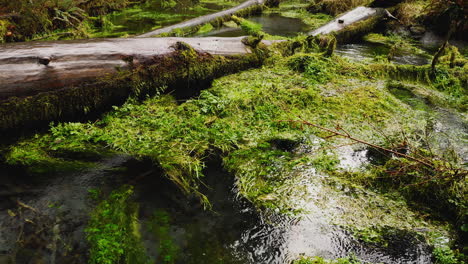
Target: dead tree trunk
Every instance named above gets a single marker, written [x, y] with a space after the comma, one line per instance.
[352, 24]
[33, 67]
[45, 81]
[219, 16]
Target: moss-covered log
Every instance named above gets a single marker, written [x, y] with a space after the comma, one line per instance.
[43, 82]
[192, 25]
[352, 24]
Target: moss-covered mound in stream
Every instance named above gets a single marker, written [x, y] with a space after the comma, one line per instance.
[245, 117]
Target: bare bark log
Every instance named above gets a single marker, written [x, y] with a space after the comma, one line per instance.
[340, 23]
[205, 19]
[33, 67]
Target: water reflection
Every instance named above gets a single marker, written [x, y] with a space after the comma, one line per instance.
[235, 232]
[273, 24]
[366, 51]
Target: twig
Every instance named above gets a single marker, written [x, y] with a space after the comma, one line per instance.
[10, 15]
[359, 141]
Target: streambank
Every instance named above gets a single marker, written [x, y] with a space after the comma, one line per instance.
[276, 164]
[296, 192]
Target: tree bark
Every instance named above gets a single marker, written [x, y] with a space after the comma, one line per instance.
[352, 24]
[30, 68]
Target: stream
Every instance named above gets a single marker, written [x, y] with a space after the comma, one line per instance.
[273, 24]
[49, 213]
[54, 211]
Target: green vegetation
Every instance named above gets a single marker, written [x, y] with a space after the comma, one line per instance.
[26, 19]
[140, 82]
[70, 19]
[247, 120]
[444, 255]
[335, 7]
[151, 15]
[187, 31]
[249, 27]
[159, 226]
[319, 260]
[297, 9]
[238, 117]
[113, 230]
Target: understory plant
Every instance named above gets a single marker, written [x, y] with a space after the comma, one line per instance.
[113, 232]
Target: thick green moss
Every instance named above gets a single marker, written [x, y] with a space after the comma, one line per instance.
[238, 112]
[319, 260]
[240, 118]
[357, 30]
[453, 82]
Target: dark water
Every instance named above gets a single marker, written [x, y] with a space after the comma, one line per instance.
[56, 209]
[235, 232]
[273, 24]
[42, 217]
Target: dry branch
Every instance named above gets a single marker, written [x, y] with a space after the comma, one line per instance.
[348, 136]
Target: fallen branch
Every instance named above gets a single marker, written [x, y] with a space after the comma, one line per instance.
[348, 136]
[10, 15]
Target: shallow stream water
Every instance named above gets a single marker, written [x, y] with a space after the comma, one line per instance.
[273, 24]
[54, 211]
[49, 213]
[369, 51]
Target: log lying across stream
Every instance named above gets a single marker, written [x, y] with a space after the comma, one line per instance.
[45, 81]
[352, 24]
[66, 80]
[30, 68]
[247, 6]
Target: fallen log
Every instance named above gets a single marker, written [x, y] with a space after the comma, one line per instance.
[46, 81]
[29, 68]
[246, 8]
[352, 24]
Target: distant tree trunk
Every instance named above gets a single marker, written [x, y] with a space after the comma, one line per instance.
[440, 51]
